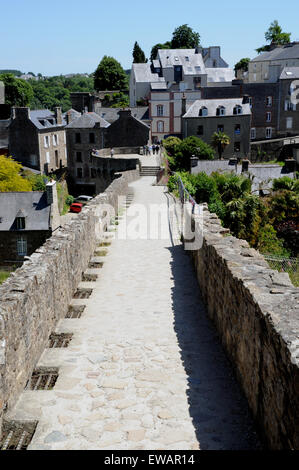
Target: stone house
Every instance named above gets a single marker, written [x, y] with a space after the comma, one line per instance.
[37, 139]
[267, 66]
[27, 219]
[231, 116]
[84, 134]
[127, 131]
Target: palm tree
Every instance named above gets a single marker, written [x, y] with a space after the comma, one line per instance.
[220, 140]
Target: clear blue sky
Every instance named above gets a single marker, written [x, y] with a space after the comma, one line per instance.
[66, 36]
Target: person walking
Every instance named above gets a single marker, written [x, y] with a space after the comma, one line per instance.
[112, 153]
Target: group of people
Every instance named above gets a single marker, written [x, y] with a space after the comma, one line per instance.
[148, 149]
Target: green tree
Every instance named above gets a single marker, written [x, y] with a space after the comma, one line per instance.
[17, 92]
[110, 75]
[10, 178]
[274, 35]
[138, 55]
[242, 65]
[184, 37]
[191, 146]
[220, 141]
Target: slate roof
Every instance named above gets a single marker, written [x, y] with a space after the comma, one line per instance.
[220, 74]
[31, 204]
[144, 74]
[87, 121]
[111, 114]
[290, 51]
[289, 73]
[44, 118]
[191, 62]
[212, 106]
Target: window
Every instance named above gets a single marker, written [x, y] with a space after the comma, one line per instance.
[91, 138]
[77, 138]
[214, 63]
[220, 128]
[55, 139]
[79, 173]
[78, 157]
[22, 246]
[46, 141]
[93, 172]
[56, 158]
[160, 110]
[253, 133]
[160, 126]
[203, 111]
[269, 101]
[237, 129]
[238, 109]
[268, 132]
[47, 157]
[200, 130]
[289, 122]
[220, 111]
[237, 146]
[268, 117]
[20, 223]
[250, 101]
[289, 106]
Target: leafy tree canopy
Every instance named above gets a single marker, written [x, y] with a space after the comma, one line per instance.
[110, 75]
[184, 37]
[220, 140]
[138, 55]
[10, 178]
[17, 92]
[242, 64]
[274, 35]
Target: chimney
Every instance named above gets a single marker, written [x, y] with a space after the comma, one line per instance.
[20, 112]
[58, 115]
[183, 104]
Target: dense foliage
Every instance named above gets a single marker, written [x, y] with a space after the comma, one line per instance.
[10, 177]
[269, 224]
[183, 37]
[110, 75]
[138, 55]
[181, 151]
[275, 35]
[17, 92]
[55, 91]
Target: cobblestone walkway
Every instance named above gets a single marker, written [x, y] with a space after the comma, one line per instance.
[145, 369]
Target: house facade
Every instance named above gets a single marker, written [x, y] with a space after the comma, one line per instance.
[27, 219]
[231, 116]
[37, 139]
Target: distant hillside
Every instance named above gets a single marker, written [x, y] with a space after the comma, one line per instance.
[16, 73]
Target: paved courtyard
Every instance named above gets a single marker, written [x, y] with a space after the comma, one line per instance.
[145, 368]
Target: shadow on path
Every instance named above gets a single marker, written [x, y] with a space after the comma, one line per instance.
[217, 406]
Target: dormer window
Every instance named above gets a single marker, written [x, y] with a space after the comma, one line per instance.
[203, 111]
[238, 109]
[20, 221]
[220, 111]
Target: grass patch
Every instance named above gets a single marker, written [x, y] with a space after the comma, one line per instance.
[3, 276]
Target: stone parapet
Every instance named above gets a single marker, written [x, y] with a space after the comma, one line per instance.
[255, 310]
[37, 295]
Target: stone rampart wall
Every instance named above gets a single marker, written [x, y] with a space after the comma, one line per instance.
[255, 310]
[38, 294]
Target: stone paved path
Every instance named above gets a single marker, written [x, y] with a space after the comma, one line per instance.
[144, 369]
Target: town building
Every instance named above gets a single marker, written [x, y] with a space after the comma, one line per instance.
[37, 139]
[267, 66]
[27, 219]
[231, 116]
[173, 73]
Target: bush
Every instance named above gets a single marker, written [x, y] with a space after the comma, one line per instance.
[69, 200]
[170, 144]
